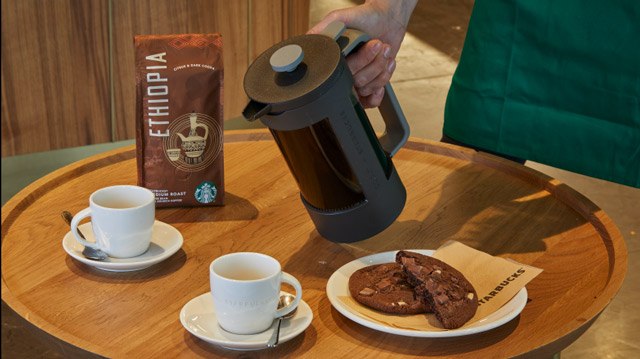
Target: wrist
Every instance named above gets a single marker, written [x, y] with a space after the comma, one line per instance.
[397, 10]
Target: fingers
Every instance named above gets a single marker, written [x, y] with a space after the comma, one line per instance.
[374, 75]
[372, 100]
[372, 67]
[365, 56]
[374, 85]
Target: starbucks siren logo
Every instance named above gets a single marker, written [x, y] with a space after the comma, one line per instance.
[206, 192]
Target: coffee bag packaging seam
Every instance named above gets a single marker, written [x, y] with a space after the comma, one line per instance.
[179, 118]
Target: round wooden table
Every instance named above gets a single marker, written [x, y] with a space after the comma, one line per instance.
[454, 193]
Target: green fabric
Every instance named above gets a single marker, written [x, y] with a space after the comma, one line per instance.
[556, 82]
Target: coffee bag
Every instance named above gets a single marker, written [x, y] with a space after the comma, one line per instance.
[179, 123]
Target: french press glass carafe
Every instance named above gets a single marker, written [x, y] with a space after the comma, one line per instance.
[302, 90]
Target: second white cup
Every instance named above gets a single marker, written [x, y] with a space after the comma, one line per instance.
[245, 288]
[122, 220]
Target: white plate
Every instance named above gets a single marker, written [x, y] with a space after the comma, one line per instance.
[338, 286]
[165, 241]
[199, 318]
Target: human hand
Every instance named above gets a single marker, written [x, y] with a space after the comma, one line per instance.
[385, 21]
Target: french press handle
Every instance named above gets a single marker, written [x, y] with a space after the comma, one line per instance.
[396, 127]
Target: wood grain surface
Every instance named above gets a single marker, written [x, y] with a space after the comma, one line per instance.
[453, 193]
[55, 75]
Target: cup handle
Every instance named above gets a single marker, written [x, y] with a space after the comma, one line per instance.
[74, 227]
[288, 278]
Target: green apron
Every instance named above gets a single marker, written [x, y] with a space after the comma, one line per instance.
[555, 82]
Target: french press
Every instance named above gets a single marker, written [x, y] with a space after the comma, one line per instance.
[302, 90]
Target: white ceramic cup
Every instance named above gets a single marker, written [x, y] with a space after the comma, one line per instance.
[245, 288]
[122, 219]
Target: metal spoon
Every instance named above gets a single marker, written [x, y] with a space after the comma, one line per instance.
[285, 299]
[88, 252]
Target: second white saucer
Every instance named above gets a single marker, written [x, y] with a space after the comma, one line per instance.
[165, 241]
[199, 318]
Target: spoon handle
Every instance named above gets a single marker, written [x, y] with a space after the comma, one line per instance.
[275, 338]
[67, 216]
[88, 252]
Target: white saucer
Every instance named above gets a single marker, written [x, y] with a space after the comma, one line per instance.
[165, 241]
[199, 318]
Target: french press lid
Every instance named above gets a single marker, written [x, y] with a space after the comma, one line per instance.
[291, 74]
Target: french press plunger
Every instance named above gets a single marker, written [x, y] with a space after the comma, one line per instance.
[302, 90]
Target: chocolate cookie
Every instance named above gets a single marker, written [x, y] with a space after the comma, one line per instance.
[452, 298]
[385, 287]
